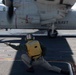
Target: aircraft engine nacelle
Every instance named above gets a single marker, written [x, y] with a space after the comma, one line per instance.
[32, 19]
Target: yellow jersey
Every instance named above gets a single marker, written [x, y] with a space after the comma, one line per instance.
[33, 48]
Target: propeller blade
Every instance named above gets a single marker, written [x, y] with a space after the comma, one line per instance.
[61, 1]
[10, 12]
[3, 1]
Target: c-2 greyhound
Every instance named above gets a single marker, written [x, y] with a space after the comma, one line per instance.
[39, 14]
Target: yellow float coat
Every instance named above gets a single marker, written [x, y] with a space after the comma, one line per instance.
[33, 48]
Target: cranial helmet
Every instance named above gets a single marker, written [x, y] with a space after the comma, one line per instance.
[29, 37]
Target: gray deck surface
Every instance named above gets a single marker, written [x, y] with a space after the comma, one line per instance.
[18, 68]
[58, 49]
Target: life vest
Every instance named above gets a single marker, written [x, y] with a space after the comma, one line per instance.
[33, 48]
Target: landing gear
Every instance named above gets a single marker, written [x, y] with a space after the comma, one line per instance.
[52, 34]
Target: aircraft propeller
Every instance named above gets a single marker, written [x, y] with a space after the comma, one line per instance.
[10, 11]
[3, 1]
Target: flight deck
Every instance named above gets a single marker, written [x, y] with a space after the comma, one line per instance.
[59, 50]
[19, 68]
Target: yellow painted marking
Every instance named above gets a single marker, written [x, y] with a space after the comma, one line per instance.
[9, 59]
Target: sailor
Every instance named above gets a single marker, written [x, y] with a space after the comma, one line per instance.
[35, 52]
